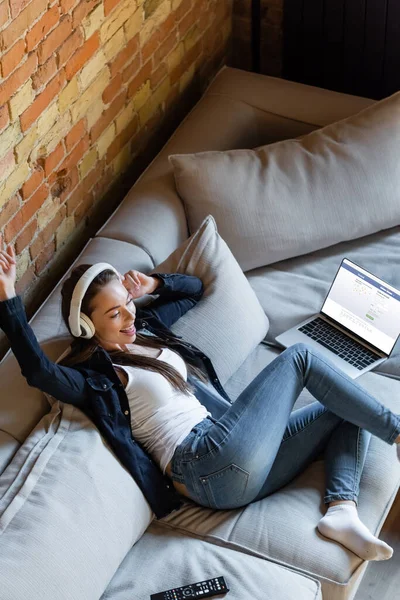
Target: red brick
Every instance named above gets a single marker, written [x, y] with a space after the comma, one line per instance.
[84, 8]
[21, 24]
[8, 210]
[45, 257]
[3, 13]
[18, 78]
[126, 55]
[76, 198]
[44, 73]
[54, 159]
[66, 5]
[26, 236]
[25, 213]
[24, 282]
[112, 90]
[131, 70]
[64, 183]
[81, 56]
[109, 5]
[150, 46]
[12, 59]
[158, 75]
[166, 47]
[72, 43]
[55, 39]
[140, 78]
[76, 133]
[183, 9]
[32, 184]
[77, 153]
[83, 208]
[47, 233]
[4, 117]
[103, 183]
[187, 22]
[16, 6]
[42, 101]
[108, 115]
[40, 30]
[167, 26]
[122, 139]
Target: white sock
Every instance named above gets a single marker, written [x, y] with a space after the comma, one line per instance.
[341, 523]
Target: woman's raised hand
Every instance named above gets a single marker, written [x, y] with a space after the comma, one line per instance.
[139, 284]
[8, 273]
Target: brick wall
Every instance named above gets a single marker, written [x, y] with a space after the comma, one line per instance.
[271, 36]
[87, 86]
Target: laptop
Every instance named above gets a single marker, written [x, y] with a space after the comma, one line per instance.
[358, 324]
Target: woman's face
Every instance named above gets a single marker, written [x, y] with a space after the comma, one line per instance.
[114, 312]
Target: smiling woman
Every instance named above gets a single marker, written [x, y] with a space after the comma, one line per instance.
[109, 303]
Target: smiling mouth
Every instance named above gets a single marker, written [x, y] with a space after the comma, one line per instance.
[129, 331]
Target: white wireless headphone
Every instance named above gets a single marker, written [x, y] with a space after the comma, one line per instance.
[80, 324]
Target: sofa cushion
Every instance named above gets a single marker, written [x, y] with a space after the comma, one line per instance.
[163, 559]
[292, 197]
[228, 305]
[311, 276]
[282, 527]
[69, 511]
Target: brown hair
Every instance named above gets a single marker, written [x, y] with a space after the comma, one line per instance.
[82, 349]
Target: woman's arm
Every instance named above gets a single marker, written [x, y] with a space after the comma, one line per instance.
[64, 383]
[178, 293]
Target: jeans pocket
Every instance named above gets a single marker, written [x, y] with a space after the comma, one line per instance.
[226, 487]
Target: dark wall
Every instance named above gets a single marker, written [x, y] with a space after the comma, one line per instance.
[351, 46]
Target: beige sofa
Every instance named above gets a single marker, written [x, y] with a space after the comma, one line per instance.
[270, 549]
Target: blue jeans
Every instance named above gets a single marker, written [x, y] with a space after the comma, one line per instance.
[260, 445]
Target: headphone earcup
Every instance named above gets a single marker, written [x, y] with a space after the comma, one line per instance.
[87, 326]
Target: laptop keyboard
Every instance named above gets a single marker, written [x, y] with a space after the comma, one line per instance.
[339, 343]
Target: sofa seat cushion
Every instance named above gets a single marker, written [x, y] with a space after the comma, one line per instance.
[163, 559]
[282, 527]
[69, 511]
[295, 289]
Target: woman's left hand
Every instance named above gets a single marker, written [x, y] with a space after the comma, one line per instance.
[139, 284]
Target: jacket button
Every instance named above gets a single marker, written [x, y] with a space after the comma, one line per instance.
[144, 324]
[215, 378]
[126, 412]
[104, 386]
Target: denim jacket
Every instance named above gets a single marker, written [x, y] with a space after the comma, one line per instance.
[95, 388]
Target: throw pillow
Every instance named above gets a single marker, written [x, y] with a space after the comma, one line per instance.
[292, 197]
[228, 322]
[69, 511]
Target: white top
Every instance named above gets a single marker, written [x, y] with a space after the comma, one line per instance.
[161, 416]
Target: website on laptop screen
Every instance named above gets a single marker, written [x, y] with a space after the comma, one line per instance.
[365, 304]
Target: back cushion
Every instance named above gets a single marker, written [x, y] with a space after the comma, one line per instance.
[69, 511]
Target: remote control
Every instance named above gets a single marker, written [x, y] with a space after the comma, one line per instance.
[201, 589]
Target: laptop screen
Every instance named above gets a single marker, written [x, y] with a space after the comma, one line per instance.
[365, 305]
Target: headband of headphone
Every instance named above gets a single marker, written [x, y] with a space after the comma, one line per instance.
[80, 324]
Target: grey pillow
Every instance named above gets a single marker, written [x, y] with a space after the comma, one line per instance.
[229, 321]
[69, 511]
[292, 197]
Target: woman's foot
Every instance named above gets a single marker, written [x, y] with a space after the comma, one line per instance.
[341, 523]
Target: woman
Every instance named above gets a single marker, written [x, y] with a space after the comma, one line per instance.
[254, 448]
